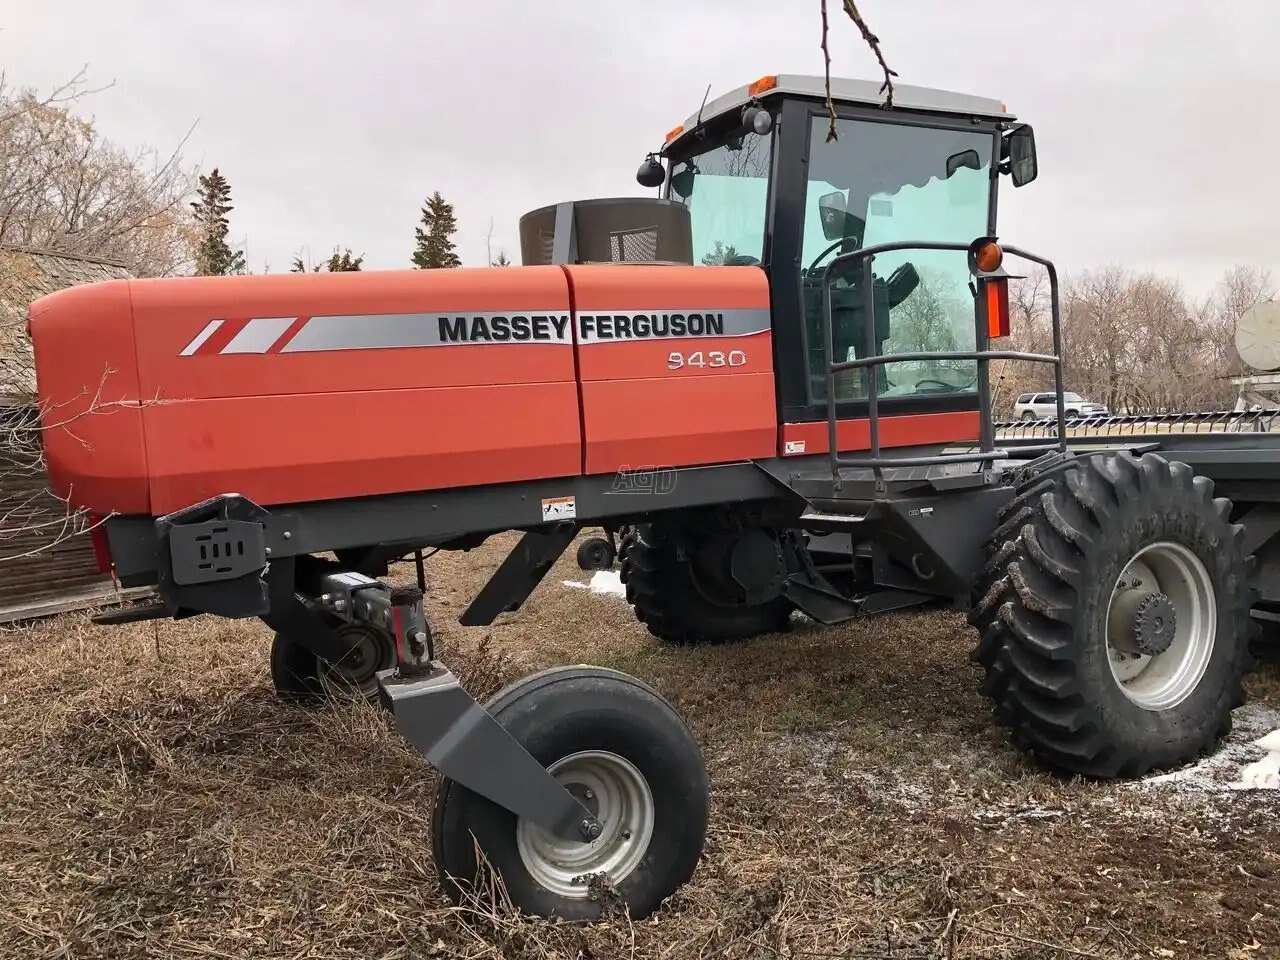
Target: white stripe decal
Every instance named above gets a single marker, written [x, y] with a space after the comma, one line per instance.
[200, 338]
[258, 335]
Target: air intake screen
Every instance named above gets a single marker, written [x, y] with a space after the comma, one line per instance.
[628, 230]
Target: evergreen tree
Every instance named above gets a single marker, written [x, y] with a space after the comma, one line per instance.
[719, 255]
[501, 260]
[342, 262]
[434, 238]
[214, 256]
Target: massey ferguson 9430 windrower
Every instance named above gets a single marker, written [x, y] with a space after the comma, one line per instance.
[770, 386]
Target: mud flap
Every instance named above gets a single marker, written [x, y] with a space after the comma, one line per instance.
[468, 746]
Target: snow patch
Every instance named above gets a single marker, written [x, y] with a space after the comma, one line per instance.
[605, 582]
[1248, 759]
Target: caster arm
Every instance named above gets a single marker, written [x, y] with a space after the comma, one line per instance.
[468, 746]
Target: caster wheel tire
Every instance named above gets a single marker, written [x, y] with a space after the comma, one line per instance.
[595, 554]
[625, 752]
[302, 677]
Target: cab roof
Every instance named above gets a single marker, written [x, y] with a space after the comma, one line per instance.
[845, 90]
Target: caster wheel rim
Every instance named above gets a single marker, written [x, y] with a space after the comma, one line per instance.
[1162, 622]
[355, 676]
[618, 795]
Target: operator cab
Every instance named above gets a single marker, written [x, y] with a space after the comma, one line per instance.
[773, 178]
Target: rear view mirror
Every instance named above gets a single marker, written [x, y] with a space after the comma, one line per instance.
[1020, 153]
[651, 172]
[831, 210]
[964, 159]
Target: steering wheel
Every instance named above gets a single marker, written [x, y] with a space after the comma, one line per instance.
[941, 383]
[826, 252]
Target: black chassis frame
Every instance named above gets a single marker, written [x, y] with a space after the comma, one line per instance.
[264, 566]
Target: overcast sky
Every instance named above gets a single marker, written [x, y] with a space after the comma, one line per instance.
[333, 120]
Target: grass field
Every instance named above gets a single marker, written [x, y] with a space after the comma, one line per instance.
[157, 801]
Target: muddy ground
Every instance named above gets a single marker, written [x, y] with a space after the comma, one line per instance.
[157, 801]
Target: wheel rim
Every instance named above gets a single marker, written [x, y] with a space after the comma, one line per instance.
[616, 793]
[356, 674]
[1162, 622]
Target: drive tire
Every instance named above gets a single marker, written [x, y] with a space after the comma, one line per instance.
[667, 599]
[556, 715]
[1045, 597]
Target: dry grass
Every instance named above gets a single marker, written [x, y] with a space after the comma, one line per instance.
[156, 800]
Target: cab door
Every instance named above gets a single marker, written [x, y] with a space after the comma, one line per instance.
[889, 179]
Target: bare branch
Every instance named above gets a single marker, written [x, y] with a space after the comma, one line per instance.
[872, 41]
[851, 8]
[826, 62]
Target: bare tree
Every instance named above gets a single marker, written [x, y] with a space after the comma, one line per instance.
[1135, 342]
[64, 187]
[1239, 289]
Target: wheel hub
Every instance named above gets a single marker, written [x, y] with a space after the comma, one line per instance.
[739, 567]
[617, 794]
[1155, 624]
[1161, 625]
[356, 674]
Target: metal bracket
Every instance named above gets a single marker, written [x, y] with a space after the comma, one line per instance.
[518, 575]
[236, 590]
[463, 742]
[288, 615]
[216, 550]
[814, 594]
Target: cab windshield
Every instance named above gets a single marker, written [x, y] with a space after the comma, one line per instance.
[878, 183]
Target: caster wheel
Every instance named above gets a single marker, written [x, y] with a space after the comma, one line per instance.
[300, 676]
[627, 755]
[596, 554]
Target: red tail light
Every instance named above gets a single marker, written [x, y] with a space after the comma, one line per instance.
[997, 308]
[101, 547]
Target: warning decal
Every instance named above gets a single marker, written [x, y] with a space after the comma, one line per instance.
[559, 508]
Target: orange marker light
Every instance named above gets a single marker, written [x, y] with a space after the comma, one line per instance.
[762, 85]
[988, 257]
[673, 133]
[997, 293]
